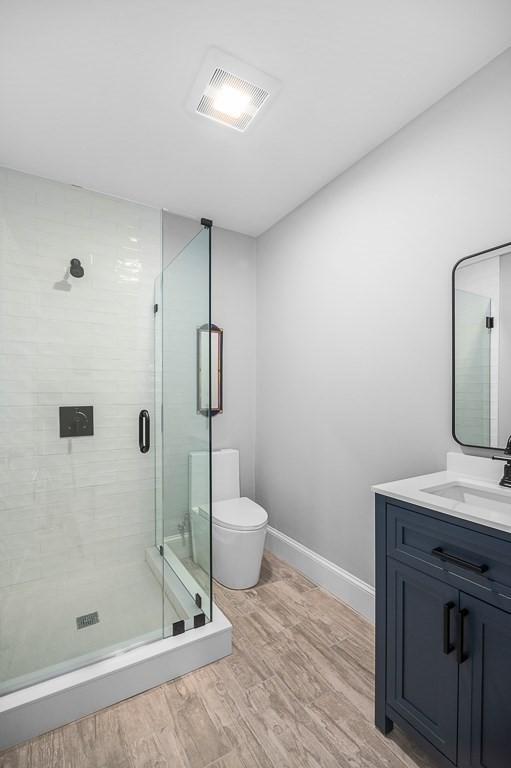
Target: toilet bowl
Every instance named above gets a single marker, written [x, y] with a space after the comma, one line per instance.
[239, 532]
[238, 523]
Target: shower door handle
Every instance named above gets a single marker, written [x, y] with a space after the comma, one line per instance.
[144, 431]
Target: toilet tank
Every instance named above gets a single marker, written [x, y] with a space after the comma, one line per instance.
[226, 476]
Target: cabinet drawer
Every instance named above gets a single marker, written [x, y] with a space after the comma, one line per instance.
[450, 552]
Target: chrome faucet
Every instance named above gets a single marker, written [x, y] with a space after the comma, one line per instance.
[506, 477]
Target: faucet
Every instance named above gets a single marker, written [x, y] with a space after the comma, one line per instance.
[506, 477]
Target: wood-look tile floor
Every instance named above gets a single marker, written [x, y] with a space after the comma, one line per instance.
[297, 692]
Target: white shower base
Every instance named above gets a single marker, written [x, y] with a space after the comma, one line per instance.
[38, 634]
[42, 707]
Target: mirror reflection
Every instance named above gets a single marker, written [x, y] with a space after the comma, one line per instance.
[482, 349]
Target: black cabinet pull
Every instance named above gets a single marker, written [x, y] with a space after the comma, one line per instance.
[450, 558]
[460, 635]
[448, 646]
[144, 431]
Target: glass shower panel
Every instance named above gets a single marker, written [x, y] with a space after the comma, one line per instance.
[77, 521]
[473, 368]
[186, 431]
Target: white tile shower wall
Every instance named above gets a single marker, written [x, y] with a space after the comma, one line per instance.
[70, 504]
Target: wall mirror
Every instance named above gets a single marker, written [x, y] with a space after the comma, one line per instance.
[481, 376]
[203, 369]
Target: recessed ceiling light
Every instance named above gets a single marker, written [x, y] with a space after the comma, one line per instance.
[229, 91]
[231, 100]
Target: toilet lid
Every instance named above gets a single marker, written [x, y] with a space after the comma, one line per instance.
[239, 514]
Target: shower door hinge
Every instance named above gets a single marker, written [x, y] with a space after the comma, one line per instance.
[155, 308]
[208, 223]
[178, 627]
[199, 620]
[490, 321]
[161, 550]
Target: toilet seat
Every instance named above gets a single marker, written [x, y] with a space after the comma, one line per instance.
[241, 514]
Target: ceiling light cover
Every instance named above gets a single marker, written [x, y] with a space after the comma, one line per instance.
[230, 100]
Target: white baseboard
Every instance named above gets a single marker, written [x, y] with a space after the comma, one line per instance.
[340, 583]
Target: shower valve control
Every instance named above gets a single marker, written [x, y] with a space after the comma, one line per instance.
[76, 421]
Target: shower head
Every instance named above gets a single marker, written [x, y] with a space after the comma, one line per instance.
[76, 269]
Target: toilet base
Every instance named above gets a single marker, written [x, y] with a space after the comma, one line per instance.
[237, 556]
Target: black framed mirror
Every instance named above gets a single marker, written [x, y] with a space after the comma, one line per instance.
[481, 348]
[203, 362]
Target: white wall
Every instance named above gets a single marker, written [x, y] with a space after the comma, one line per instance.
[234, 310]
[69, 505]
[353, 330]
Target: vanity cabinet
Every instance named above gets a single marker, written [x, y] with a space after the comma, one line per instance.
[485, 687]
[443, 634]
[422, 680]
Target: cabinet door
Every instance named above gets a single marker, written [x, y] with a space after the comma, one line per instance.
[422, 673]
[485, 687]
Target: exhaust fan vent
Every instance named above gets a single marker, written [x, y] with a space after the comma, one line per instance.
[230, 100]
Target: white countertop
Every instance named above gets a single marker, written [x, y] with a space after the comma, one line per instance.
[478, 473]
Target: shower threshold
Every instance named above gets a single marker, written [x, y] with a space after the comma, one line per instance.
[47, 705]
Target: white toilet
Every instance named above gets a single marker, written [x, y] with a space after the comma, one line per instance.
[239, 524]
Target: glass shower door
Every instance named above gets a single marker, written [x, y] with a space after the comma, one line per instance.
[183, 498]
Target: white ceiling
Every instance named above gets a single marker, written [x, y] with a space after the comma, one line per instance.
[93, 92]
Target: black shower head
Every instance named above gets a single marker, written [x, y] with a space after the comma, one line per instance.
[76, 269]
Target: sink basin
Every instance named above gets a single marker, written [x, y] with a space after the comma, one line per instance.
[467, 489]
[492, 500]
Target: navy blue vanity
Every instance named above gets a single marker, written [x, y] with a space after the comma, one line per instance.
[443, 633]
[443, 550]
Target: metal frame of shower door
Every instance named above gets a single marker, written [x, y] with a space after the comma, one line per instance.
[208, 224]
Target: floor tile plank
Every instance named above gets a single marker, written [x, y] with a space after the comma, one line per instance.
[47, 750]
[16, 758]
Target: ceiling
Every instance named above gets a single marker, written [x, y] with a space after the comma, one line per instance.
[94, 93]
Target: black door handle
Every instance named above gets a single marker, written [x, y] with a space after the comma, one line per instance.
[460, 635]
[456, 560]
[448, 646]
[144, 431]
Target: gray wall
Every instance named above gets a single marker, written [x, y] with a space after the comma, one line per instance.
[234, 310]
[353, 317]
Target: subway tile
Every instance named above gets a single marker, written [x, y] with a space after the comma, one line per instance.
[91, 345]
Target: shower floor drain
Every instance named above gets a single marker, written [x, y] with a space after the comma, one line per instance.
[87, 620]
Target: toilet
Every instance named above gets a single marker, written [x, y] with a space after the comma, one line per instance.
[239, 524]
